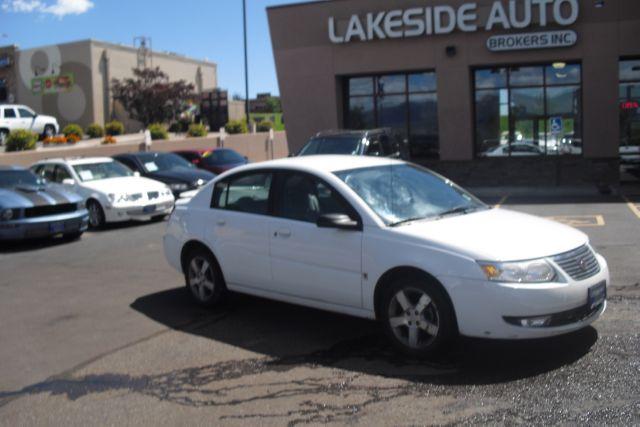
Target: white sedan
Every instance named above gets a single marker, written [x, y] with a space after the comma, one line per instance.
[112, 192]
[387, 240]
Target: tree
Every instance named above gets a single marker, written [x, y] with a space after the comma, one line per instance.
[273, 105]
[150, 97]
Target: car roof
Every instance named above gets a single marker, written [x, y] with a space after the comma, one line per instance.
[323, 163]
[11, 168]
[350, 132]
[76, 160]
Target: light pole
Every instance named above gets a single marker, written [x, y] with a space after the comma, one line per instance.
[246, 63]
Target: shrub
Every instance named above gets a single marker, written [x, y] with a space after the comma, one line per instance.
[264, 126]
[94, 130]
[114, 128]
[181, 126]
[236, 126]
[158, 131]
[197, 129]
[20, 140]
[73, 138]
[73, 129]
[108, 140]
[56, 140]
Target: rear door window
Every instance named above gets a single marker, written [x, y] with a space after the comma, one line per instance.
[9, 113]
[247, 193]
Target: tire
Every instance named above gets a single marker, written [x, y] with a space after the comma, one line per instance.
[417, 317]
[4, 134]
[96, 214]
[49, 131]
[203, 278]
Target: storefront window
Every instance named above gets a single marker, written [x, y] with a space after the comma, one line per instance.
[406, 103]
[528, 110]
[629, 99]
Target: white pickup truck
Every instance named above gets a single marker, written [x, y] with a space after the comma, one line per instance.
[14, 117]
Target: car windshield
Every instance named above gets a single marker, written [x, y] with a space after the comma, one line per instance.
[331, 145]
[154, 162]
[400, 193]
[218, 157]
[14, 178]
[96, 171]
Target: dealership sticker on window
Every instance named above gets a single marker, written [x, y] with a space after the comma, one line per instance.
[86, 175]
[525, 41]
[151, 166]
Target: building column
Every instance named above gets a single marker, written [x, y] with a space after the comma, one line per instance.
[455, 120]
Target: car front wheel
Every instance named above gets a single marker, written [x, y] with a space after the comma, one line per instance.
[203, 278]
[96, 214]
[4, 134]
[417, 317]
[49, 131]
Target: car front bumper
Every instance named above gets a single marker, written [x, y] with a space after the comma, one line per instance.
[487, 309]
[45, 226]
[138, 212]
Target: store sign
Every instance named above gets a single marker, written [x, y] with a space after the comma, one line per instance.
[524, 41]
[52, 84]
[629, 105]
[445, 19]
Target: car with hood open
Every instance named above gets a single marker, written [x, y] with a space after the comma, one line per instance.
[388, 240]
[32, 208]
[180, 175]
[111, 191]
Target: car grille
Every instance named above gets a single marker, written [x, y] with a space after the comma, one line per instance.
[45, 210]
[153, 195]
[579, 263]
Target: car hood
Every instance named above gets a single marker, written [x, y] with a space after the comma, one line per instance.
[126, 184]
[27, 196]
[497, 235]
[186, 175]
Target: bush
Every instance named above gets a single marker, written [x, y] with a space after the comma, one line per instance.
[55, 140]
[20, 140]
[181, 126]
[158, 131]
[264, 126]
[108, 140]
[73, 129]
[94, 130]
[197, 129]
[236, 126]
[114, 128]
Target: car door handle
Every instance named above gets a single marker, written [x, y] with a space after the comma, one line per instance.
[282, 233]
[221, 222]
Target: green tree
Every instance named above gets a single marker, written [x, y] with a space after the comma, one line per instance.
[273, 105]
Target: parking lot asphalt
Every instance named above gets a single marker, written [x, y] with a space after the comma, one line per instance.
[101, 331]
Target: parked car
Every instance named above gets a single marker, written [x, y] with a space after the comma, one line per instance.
[517, 149]
[30, 207]
[388, 240]
[376, 142]
[217, 160]
[14, 117]
[111, 191]
[180, 175]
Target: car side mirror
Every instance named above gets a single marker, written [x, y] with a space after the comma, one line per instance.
[136, 173]
[68, 181]
[339, 221]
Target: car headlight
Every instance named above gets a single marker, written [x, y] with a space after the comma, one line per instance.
[6, 214]
[166, 192]
[178, 186]
[533, 271]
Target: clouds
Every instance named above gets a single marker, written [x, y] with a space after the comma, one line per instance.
[59, 8]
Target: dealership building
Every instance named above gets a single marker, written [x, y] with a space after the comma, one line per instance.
[72, 81]
[488, 92]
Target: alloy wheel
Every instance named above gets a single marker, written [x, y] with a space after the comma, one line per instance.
[414, 318]
[201, 279]
[95, 215]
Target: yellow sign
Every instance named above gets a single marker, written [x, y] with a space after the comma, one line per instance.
[52, 84]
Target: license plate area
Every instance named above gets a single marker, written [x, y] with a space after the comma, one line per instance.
[596, 295]
[149, 209]
[56, 227]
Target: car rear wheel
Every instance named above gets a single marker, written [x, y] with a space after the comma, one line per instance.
[96, 214]
[417, 317]
[203, 278]
[49, 131]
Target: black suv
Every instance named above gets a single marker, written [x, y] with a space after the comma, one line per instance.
[375, 142]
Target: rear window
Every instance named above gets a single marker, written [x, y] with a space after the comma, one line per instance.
[219, 157]
[331, 145]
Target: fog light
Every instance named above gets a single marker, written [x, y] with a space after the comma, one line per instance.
[529, 322]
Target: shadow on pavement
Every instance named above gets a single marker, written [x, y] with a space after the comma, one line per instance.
[292, 335]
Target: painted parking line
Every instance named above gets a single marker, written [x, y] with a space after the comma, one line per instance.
[635, 207]
[501, 201]
[579, 220]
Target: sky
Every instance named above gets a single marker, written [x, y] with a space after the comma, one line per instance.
[203, 29]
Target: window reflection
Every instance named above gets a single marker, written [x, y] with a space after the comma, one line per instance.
[629, 99]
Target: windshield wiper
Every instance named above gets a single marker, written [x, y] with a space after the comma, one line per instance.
[404, 221]
[457, 210]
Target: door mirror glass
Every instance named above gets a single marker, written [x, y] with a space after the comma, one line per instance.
[68, 181]
[339, 221]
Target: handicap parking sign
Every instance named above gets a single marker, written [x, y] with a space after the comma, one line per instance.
[556, 124]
